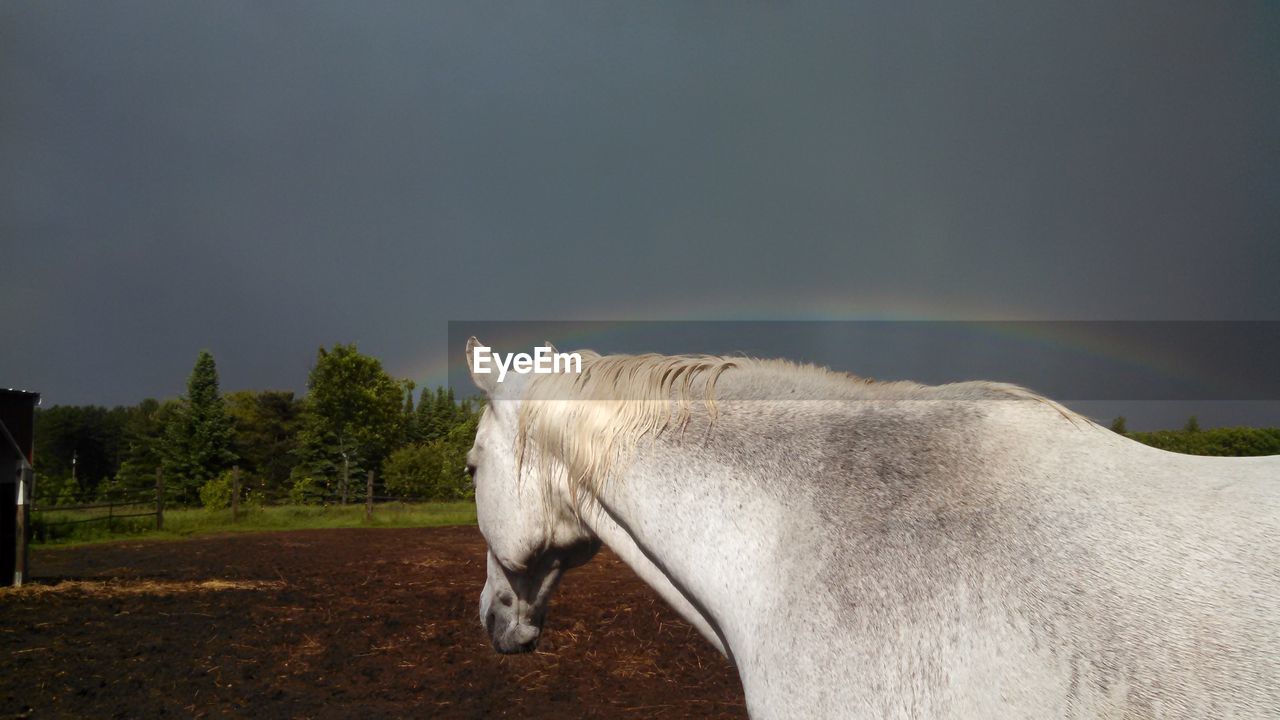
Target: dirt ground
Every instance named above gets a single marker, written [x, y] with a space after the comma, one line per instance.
[337, 624]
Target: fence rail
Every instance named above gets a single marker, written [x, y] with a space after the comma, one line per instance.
[95, 519]
[47, 516]
[49, 513]
[39, 506]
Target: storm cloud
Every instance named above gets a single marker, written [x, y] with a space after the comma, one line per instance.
[260, 179]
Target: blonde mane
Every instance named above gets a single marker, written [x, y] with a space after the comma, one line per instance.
[585, 426]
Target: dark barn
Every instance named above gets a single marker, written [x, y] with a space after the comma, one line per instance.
[17, 436]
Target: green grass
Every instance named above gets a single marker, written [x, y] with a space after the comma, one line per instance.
[186, 523]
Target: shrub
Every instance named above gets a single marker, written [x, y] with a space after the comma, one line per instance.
[307, 490]
[429, 471]
[216, 492]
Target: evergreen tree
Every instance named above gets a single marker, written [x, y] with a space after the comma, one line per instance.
[86, 442]
[266, 425]
[424, 422]
[473, 407]
[145, 437]
[1193, 425]
[410, 416]
[435, 422]
[444, 414]
[1119, 426]
[198, 443]
[451, 414]
[439, 415]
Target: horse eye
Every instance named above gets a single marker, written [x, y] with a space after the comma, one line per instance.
[471, 471]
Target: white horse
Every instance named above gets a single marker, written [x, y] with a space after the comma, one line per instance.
[889, 550]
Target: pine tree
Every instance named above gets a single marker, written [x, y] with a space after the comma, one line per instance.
[449, 412]
[438, 419]
[146, 431]
[425, 420]
[410, 417]
[1193, 425]
[265, 428]
[1119, 425]
[198, 443]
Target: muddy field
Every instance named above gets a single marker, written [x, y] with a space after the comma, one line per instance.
[336, 624]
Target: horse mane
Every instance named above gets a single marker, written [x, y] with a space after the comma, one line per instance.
[585, 425]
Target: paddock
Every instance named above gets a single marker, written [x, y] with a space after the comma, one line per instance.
[336, 623]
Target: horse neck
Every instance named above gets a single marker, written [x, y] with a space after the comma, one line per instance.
[625, 547]
[700, 537]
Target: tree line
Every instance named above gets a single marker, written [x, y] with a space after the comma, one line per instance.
[1192, 440]
[318, 448]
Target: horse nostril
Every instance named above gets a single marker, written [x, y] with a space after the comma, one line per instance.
[531, 643]
[489, 619]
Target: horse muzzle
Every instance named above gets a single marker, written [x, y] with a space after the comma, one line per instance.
[512, 638]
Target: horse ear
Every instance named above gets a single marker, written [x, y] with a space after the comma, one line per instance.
[549, 346]
[480, 363]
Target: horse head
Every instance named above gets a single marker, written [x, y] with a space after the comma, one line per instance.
[529, 523]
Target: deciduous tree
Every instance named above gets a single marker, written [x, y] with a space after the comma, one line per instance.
[353, 418]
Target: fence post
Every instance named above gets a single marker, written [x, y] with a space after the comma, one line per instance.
[159, 498]
[346, 476]
[368, 498]
[20, 522]
[235, 493]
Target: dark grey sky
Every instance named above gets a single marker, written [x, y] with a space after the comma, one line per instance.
[263, 178]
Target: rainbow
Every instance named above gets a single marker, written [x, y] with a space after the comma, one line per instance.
[1104, 340]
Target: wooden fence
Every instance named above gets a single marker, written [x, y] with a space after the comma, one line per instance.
[109, 509]
[152, 503]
